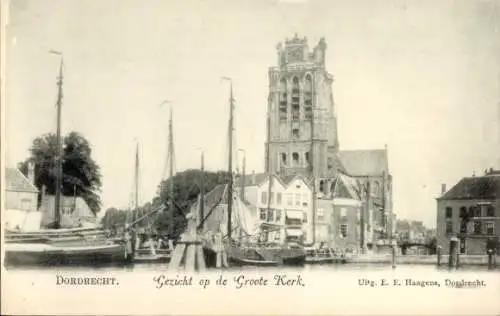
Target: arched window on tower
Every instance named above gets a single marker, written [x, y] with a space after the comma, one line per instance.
[283, 159]
[307, 158]
[308, 97]
[295, 99]
[283, 106]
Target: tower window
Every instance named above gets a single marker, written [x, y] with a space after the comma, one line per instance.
[295, 157]
[307, 157]
[308, 97]
[330, 162]
[295, 99]
[283, 100]
[295, 133]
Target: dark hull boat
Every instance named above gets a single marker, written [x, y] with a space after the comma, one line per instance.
[258, 256]
[64, 246]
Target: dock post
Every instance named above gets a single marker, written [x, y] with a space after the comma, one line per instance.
[439, 254]
[394, 245]
[453, 256]
[188, 254]
[490, 259]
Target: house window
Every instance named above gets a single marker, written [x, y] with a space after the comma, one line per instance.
[321, 215]
[343, 212]
[463, 227]
[475, 211]
[305, 199]
[295, 133]
[278, 198]
[263, 198]
[477, 227]
[277, 236]
[343, 230]
[304, 218]
[321, 186]
[449, 212]
[297, 199]
[283, 158]
[490, 211]
[270, 215]
[263, 214]
[289, 199]
[26, 204]
[278, 216]
[449, 228]
[490, 228]
[463, 212]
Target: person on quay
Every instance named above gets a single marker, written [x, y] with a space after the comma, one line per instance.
[219, 249]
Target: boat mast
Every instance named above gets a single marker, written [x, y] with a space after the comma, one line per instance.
[230, 162]
[202, 190]
[242, 193]
[57, 204]
[268, 164]
[136, 182]
[171, 165]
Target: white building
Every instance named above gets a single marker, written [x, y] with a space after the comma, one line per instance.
[21, 198]
[284, 204]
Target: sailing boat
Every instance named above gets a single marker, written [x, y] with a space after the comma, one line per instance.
[230, 214]
[149, 250]
[62, 245]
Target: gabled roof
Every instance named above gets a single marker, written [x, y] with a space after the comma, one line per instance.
[372, 162]
[15, 180]
[345, 187]
[485, 187]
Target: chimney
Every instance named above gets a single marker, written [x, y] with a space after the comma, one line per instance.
[443, 188]
[31, 172]
[254, 178]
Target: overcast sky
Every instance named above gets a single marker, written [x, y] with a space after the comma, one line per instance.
[419, 76]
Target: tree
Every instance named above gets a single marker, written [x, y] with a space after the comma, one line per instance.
[185, 192]
[81, 174]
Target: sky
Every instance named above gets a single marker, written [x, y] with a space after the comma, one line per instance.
[422, 77]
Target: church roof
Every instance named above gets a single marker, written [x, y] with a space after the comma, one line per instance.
[346, 187]
[15, 180]
[485, 187]
[372, 162]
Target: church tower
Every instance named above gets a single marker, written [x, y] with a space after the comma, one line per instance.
[302, 125]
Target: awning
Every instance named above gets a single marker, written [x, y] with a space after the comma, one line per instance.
[294, 232]
[294, 214]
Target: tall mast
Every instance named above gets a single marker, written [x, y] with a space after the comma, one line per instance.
[136, 181]
[202, 189]
[242, 193]
[171, 162]
[230, 162]
[57, 204]
[268, 161]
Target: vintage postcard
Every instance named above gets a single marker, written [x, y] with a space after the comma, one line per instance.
[237, 157]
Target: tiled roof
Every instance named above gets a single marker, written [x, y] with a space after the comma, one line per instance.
[485, 187]
[16, 181]
[364, 162]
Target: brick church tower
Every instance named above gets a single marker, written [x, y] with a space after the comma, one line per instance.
[302, 124]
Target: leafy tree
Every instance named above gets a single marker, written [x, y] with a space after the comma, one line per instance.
[81, 174]
[186, 189]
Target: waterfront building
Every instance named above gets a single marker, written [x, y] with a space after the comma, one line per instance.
[21, 200]
[470, 211]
